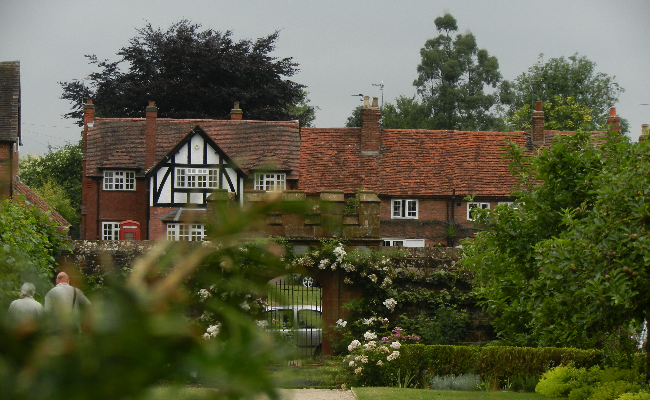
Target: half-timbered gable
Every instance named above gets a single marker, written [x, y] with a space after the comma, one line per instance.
[191, 171]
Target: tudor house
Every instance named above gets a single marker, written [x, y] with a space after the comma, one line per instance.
[154, 175]
[149, 178]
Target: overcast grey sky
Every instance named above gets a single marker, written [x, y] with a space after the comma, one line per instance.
[343, 47]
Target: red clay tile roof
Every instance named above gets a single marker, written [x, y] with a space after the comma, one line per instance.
[415, 163]
[20, 189]
[250, 144]
[10, 101]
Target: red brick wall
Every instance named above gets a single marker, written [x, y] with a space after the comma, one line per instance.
[114, 206]
[6, 169]
[433, 217]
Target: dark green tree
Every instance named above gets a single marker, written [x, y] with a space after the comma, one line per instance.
[452, 78]
[56, 176]
[191, 73]
[573, 77]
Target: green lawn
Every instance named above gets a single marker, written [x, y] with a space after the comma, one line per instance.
[384, 393]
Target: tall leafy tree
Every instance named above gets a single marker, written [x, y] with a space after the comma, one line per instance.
[452, 79]
[569, 264]
[56, 176]
[562, 78]
[193, 73]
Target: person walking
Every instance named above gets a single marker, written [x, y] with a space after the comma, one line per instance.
[64, 303]
[25, 310]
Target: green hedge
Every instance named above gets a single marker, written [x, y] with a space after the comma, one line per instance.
[495, 363]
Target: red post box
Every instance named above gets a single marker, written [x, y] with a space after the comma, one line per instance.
[129, 230]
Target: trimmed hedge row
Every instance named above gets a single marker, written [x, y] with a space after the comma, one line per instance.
[495, 363]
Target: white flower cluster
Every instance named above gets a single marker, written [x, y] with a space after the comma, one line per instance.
[386, 283]
[212, 331]
[204, 294]
[396, 345]
[355, 344]
[390, 303]
[392, 356]
[341, 323]
[348, 267]
[347, 281]
[370, 335]
[368, 321]
[373, 278]
[371, 345]
[305, 262]
[324, 263]
[262, 323]
[245, 306]
[339, 252]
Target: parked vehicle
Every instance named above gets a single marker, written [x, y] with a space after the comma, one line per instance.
[303, 322]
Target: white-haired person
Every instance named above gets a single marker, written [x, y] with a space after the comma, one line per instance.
[25, 309]
[64, 304]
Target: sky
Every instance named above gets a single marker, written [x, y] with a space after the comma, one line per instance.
[343, 48]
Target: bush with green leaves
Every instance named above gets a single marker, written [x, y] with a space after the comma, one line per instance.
[594, 383]
[635, 396]
[29, 242]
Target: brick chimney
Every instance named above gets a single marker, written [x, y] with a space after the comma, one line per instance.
[644, 133]
[89, 118]
[151, 113]
[370, 131]
[613, 121]
[538, 124]
[236, 112]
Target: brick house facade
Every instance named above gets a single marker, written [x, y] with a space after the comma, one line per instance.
[163, 171]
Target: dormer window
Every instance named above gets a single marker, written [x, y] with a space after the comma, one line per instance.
[119, 180]
[192, 178]
[270, 182]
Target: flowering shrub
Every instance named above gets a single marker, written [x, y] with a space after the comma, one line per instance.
[393, 290]
[369, 363]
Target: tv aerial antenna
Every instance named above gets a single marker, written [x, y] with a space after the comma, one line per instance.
[381, 87]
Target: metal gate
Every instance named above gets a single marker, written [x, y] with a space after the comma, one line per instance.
[294, 308]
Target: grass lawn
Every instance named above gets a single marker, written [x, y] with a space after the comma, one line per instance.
[385, 393]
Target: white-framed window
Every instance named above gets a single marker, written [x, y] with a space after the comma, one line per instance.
[271, 182]
[119, 180]
[508, 203]
[472, 206]
[110, 231]
[403, 242]
[185, 232]
[196, 177]
[404, 208]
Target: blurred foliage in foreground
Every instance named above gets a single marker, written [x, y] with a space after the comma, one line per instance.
[138, 333]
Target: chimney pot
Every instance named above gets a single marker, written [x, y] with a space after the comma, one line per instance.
[366, 101]
[538, 106]
[612, 111]
[375, 102]
[236, 112]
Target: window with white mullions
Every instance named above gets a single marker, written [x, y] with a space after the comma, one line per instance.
[197, 178]
[119, 180]
[110, 231]
[472, 206]
[185, 232]
[270, 182]
[404, 208]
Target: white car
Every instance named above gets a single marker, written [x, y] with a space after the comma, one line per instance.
[303, 322]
